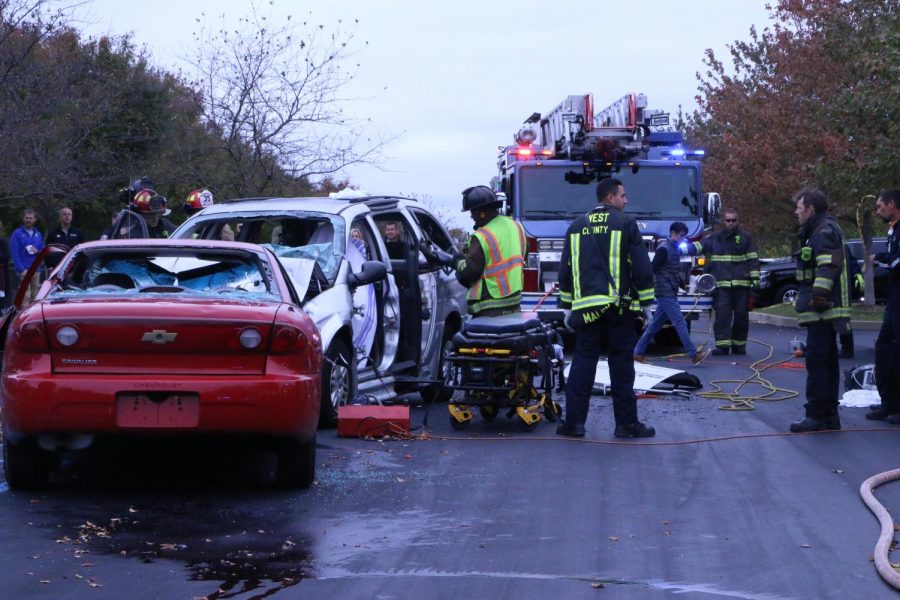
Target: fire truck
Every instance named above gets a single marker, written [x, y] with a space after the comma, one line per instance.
[549, 177]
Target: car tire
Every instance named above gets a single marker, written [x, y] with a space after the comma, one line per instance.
[337, 382]
[787, 293]
[296, 464]
[438, 392]
[25, 465]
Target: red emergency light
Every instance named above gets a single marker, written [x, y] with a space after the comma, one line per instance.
[527, 152]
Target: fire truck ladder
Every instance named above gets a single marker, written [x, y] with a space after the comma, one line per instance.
[565, 126]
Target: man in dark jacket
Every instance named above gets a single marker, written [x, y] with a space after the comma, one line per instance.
[734, 261]
[823, 307]
[887, 345]
[604, 273]
[65, 234]
[666, 283]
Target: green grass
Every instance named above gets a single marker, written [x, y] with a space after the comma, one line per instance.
[859, 312]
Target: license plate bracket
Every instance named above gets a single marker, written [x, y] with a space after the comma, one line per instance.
[175, 410]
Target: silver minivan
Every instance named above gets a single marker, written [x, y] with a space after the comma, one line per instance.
[385, 312]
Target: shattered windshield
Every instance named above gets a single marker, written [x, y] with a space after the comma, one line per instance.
[293, 234]
[669, 193]
[152, 270]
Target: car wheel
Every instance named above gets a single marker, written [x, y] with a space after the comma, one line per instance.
[296, 464]
[25, 465]
[787, 293]
[438, 392]
[337, 382]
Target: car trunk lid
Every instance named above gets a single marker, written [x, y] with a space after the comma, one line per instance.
[159, 337]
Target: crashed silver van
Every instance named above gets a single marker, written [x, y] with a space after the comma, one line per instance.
[385, 313]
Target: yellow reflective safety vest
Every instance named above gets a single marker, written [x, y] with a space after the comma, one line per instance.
[503, 243]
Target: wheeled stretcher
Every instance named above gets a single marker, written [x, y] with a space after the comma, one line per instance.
[509, 363]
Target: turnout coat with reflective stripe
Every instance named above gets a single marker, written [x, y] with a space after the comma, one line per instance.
[500, 286]
[604, 259]
[822, 271]
[731, 257]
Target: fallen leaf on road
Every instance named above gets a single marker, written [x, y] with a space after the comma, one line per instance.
[45, 581]
[596, 585]
[613, 538]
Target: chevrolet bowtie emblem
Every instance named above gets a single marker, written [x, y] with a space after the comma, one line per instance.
[159, 336]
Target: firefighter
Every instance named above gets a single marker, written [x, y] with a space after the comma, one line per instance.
[604, 274]
[491, 266]
[823, 307]
[196, 201]
[152, 208]
[887, 345]
[733, 260]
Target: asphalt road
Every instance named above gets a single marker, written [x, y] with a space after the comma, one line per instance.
[721, 504]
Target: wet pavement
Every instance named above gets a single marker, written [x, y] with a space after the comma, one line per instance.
[721, 504]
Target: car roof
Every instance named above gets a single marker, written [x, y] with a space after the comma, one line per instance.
[307, 203]
[169, 243]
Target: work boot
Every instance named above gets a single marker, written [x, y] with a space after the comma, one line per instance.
[809, 424]
[880, 413]
[894, 419]
[640, 358]
[570, 430]
[739, 349]
[720, 351]
[635, 430]
[700, 355]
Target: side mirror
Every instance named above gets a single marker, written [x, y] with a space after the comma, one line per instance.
[371, 271]
[713, 206]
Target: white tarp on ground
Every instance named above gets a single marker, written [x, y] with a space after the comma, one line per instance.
[646, 377]
[860, 398]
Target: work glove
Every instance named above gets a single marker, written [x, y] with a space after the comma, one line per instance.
[567, 321]
[860, 283]
[646, 314]
[438, 256]
[820, 303]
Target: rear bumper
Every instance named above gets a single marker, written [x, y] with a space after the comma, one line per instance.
[284, 406]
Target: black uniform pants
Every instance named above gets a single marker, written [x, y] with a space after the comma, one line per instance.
[822, 375]
[617, 334]
[732, 318]
[887, 358]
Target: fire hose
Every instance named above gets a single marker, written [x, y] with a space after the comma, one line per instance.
[885, 539]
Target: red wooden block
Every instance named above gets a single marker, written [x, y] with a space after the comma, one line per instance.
[372, 420]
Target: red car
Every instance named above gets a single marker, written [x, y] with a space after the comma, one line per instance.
[167, 337]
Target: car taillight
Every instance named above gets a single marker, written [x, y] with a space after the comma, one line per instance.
[31, 337]
[287, 339]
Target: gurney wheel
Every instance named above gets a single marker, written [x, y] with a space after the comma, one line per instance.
[552, 411]
[459, 425]
[488, 413]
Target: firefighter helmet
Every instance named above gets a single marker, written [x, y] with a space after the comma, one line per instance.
[479, 197]
[148, 202]
[197, 201]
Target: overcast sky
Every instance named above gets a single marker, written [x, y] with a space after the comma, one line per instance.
[454, 80]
